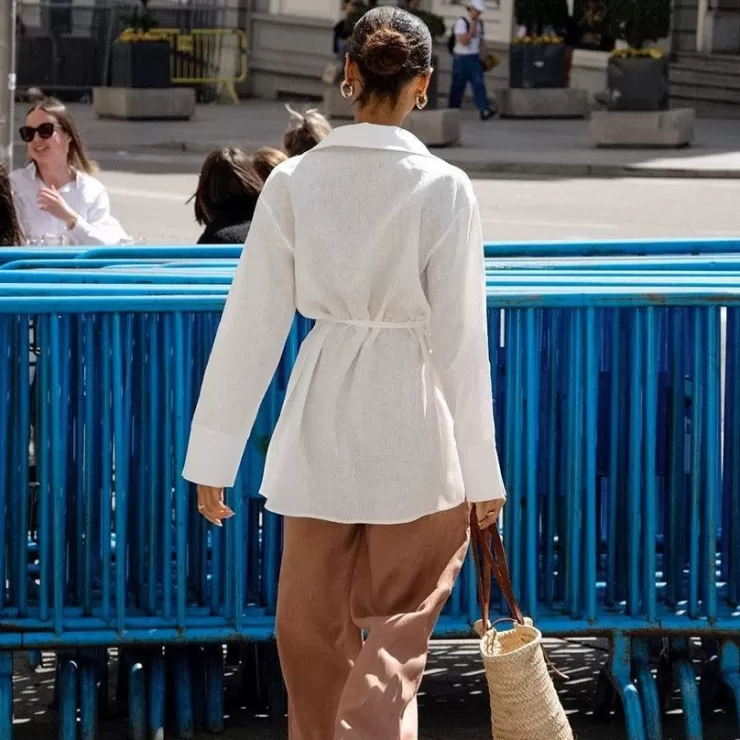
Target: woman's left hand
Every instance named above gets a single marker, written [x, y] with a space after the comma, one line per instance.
[50, 200]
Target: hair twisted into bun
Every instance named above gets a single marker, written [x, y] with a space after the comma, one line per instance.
[390, 47]
[386, 52]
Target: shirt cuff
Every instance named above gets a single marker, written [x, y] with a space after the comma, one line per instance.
[482, 473]
[80, 231]
[213, 458]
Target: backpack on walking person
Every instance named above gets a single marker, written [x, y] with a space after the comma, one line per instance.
[452, 40]
[488, 59]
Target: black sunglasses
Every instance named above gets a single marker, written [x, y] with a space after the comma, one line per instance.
[45, 131]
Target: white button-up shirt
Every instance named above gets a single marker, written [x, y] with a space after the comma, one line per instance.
[86, 195]
[388, 416]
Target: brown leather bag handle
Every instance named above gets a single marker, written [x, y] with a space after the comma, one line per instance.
[494, 564]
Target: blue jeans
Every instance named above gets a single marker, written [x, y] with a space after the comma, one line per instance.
[467, 68]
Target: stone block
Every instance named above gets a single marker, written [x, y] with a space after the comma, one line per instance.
[335, 106]
[557, 102]
[643, 129]
[144, 104]
[435, 127]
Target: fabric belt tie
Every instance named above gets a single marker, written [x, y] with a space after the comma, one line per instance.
[367, 324]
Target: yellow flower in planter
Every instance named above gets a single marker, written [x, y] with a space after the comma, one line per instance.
[136, 36]
[629, 53]
[538, 40]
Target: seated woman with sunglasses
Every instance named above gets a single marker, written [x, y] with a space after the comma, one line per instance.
[57, 196]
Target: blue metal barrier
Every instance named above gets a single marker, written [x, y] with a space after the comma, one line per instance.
[496, 250]
[617, 433]
[605, 248]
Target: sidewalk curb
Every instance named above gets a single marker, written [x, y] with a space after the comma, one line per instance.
[584, 170]
[492, 167]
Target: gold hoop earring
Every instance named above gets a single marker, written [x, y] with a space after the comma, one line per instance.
[346, 90]
[421, 101]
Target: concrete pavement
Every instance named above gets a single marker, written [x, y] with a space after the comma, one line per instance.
[152, 205]
[524, 147]
[453, 701]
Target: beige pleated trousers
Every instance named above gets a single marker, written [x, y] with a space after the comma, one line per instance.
[338, 581]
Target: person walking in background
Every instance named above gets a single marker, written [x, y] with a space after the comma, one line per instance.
[304, 132]
[57, 196]
[468, 46]
[266, 159]
[386, 434]
[226, 197]
[342, 30]
[11, 234]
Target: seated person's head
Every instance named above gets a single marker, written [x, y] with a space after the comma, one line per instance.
[305, 132]
[266, 159]
[228, 183]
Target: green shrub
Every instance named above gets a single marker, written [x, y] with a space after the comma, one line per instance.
[140, 19]
[538, 16]
[640, 22]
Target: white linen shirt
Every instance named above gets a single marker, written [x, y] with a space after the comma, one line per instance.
[388, 415]
[86, 195]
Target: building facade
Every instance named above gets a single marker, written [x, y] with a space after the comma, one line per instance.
[291, 40]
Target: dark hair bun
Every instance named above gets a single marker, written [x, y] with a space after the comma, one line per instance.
[386, 52]
[390, 47]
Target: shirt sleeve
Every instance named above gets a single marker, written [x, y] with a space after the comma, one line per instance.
[256, 320]
[461, 27]
[455, 282]
[98, 227]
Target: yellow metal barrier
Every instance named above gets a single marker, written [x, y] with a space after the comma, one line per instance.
[202, 56]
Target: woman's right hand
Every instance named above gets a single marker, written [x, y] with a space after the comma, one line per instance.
[51, 201]
[211, 505]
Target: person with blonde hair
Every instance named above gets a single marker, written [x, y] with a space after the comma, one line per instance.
[266, 159]
[57, 195]
[305, 131]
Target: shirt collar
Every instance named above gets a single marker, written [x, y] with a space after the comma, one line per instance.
[34, 173]
[374, 136]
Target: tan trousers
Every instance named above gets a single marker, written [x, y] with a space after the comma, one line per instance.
[340, 580]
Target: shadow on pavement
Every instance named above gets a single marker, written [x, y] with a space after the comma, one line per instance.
[453, 702]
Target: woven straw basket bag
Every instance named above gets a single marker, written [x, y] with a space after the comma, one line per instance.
[524, 702]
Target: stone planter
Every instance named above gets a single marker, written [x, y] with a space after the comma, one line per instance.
[139, 104]
[141, 65]
[76, 55]
[538, 65]
[563, 102]
[36, 59]
[643, 129]
[435, 128]
[639, 84]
